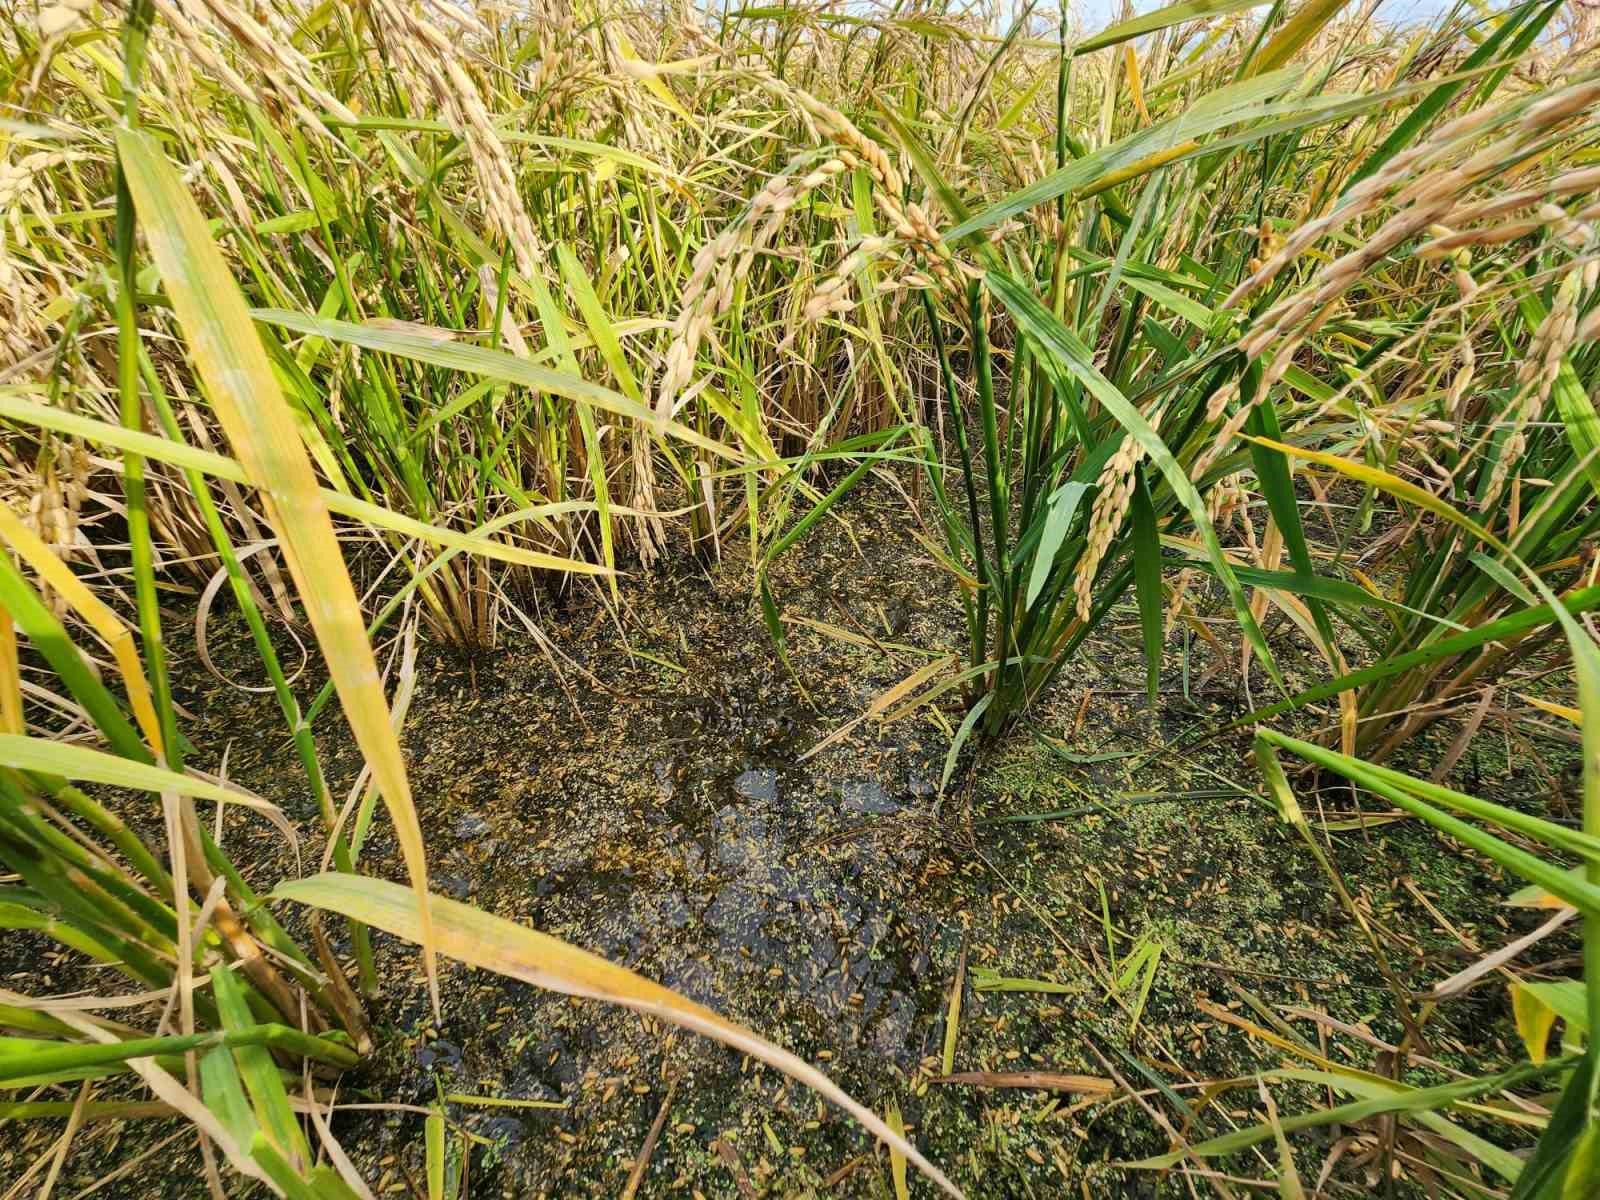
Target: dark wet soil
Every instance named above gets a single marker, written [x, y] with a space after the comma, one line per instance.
[651, 800]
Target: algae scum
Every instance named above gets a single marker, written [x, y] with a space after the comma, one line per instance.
[657, 808]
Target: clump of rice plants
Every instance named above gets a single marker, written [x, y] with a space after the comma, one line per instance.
[1155, 356]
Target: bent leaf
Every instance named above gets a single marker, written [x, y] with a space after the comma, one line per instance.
[220, 466]
[1173, 14]
[31, 548]
[232, 363]
[83, 763]
[487, 364]
[1535, 1019]
[481, 939]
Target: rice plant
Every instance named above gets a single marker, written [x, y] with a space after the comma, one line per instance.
[1562, 1160]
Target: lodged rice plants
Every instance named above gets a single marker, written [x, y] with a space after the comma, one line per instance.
[380, 317]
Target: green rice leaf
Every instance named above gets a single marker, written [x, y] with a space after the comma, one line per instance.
[68, 760]
[1056, 340]
[1572, 399]
[1379, 1097]
[486, 363]
[268, 1097]
[1059, 511]
[1217, 110]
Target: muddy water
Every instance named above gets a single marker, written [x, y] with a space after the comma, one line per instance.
[654, 807]
[651, 800]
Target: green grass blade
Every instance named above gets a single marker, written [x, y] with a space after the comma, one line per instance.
[1545, 1177]
[1579, 893]
[1385, 1096]
[1059, 511]
[1147, 585]
[1163, 18]
[223, 1093]
[32, 1058]
[1277, 486]
[485, 363]
[258, 1072]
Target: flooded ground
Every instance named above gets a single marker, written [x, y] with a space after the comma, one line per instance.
[658, 807]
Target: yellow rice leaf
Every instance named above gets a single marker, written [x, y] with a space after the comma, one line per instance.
[244, 393]
[1401, 488]
[481, 939]
[1292, 35]
[10, 677]
[31, 548]
[1534, 1020]
[908, 685]
[1143, 166]
[1130, 61]
[647, 75]
[1564, 711]
[1534, 896]
[897, 1161]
